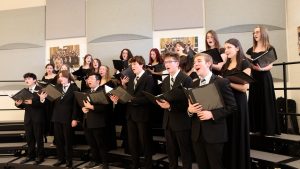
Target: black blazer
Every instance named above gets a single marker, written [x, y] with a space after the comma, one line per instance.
[139, 107]
[215, 130]
[65, 108]
[177, 118]
[98, 117]
[34, 112]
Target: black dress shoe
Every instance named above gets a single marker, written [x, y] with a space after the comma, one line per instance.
[69, 164]
[26, 160]
[59, 162]
[38, 161]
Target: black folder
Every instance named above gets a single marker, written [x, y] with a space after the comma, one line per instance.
[52, 91]
[42, 83]
[119, 65]
[240, 77]
[123, 95]
[169, 96]
[152, 97]
[93, 98]
[266, 58]
[208, 96]
[150, 67]
[119, 76]
[23, 94]
[215, 54]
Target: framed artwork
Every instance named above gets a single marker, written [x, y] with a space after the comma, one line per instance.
[168, 44]
[68, 54]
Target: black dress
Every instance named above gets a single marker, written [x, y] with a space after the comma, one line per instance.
[49, 107]
[237, 149]
[262, 102]
[110, 130]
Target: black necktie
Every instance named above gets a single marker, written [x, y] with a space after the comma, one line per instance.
[202, 82]
[172, 82]
[135, 81]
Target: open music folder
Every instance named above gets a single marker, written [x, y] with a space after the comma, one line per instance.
[240, 77]
[123, 95]
[208, 96]
[119, 65]
[215, 54]
[52, 91]
[93, 98]
[23, 94]
[266, 58]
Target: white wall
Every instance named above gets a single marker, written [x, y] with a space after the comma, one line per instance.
[293, 21]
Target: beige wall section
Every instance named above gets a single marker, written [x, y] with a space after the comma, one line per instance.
[65, 19]
[10, 115]
[293, 21]
[15, 4]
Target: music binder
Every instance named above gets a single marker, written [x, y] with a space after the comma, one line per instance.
[119, 65]
[42, 83]
[240, 77]
[152, 97]
[23, 94]
[121, 93]
[208, 96]
[93, 98]
[168, 96]
[215, 54]
[266, 58]
[52, 92]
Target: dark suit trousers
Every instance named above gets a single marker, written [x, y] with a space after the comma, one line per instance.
[208, 156]
[34, 136]
[96, 140]
[139, 136]
[63, 137]
[181, 139]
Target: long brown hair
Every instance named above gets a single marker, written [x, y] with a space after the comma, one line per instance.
[240, 56]
[84, 62]
[264, 37]
[215, 37]
[107, 76]
[66, 74]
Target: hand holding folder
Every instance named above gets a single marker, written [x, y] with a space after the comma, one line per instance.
[120, 92]
[23, 94]
[240, 77]
[52, 92]
[266, 58]
[93, 98]
[208, 96]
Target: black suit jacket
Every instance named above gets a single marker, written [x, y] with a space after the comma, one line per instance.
[65, 108]
[215, 130]
[177, 117]
[139, 107]
[98, 117]
[34, 112]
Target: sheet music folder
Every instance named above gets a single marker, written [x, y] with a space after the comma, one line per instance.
[240, 77]
[23, 94]
[119, 65]
[266, 58]
[208, 96]
[168, 96]
[215, 54]
[52, 91]
[93, 98]
[123, 95]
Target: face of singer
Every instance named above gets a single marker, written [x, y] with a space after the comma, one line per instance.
[92, 81]
[210, 40]
[231, 50]
[29, 81]
[63, 80]
[257, 34]
[153, 55]
[136, 68]
[178, 48]
[88, 59]
[102, 71]
[64, 67]
[125, 55]
[201, 66]
[171, 65]
[49, 69]
[95, 64]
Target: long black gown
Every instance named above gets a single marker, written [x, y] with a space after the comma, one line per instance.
[237, 149]
[262, 102]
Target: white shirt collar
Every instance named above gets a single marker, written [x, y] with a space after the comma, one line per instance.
[207, 77]
[140, 74]
[175, 75]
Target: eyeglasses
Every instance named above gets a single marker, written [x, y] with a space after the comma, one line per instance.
[165, 62]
